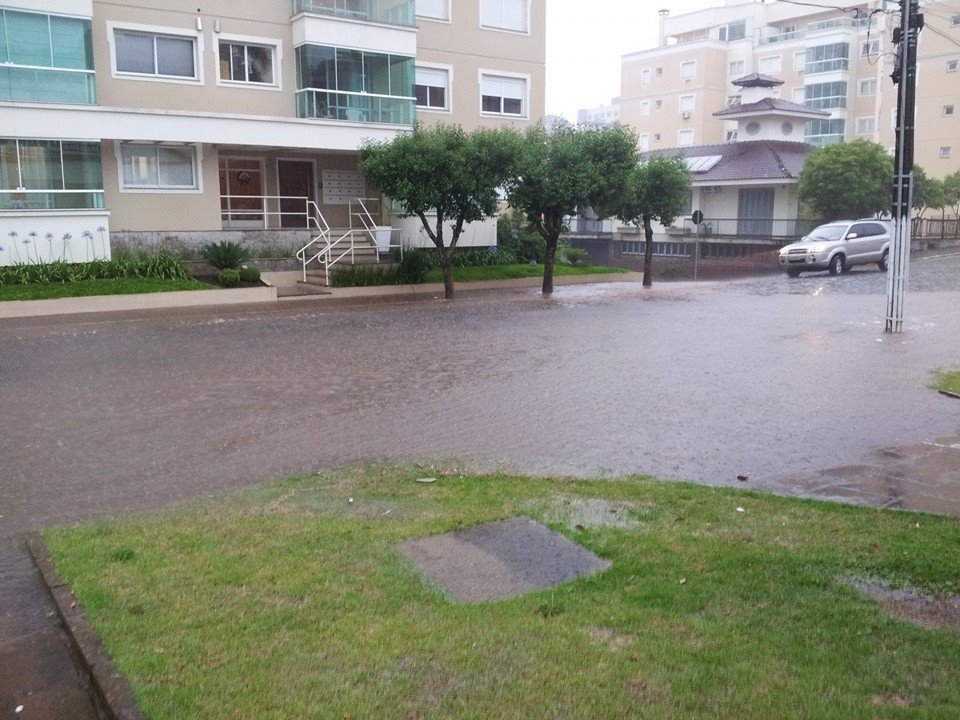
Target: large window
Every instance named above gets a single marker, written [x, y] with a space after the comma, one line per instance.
[688, 69]
[503, 95]
[393, 12]
[345, 84]
[827, 58]
[242, 62]
[825, 132]
[504, 14]
[824, 96]
[50, 174]
[432, 88]
[867, 86]
[45, 58]
[158, 167]
[165, 56]
[770, 65]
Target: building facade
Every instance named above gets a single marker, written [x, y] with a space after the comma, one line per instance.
[135, 117]
[837, 59]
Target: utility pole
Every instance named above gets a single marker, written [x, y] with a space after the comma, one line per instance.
[905, 78]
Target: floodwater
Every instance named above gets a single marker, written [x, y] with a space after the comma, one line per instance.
[792, 383]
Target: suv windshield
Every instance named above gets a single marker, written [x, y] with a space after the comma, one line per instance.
[826, 232]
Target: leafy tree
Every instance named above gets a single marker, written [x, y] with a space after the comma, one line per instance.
[446, 173]
[515, 235]
[656, 190]
[571, 168]
[951, 191]
[847, 180]
[928, 193]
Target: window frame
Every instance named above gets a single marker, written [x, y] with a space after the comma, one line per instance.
[154, 31]
[684, 132]
[435, 18]
[867, 119]
[945, 152]
[523, 79]
[687, 103]
[160, 188]
[776, 60]
[688, 64]
[953, 65]
[276, 58]
[949, 110]
[447, 70]
[739, 64]
[644, 108]
[869, 48]
[646, 75]
[484, 15]
[866, 82]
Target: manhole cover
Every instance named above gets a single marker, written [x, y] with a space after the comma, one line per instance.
[500, 559]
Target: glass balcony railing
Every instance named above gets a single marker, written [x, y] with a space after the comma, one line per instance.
[354, 106]
[39, 84]
[391, 12]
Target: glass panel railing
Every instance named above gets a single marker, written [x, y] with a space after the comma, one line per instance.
[357, 107]
[52, 200]
[28, 84]
[392, 12]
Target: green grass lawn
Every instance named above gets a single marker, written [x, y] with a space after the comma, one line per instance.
[288, 600]
[947, 380]
[520, 270]
[85, 288]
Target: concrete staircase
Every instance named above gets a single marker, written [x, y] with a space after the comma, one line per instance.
[362, 251]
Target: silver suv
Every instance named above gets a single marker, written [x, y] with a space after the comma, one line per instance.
[838, 246]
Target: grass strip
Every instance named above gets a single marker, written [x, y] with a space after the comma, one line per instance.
[290, 600]
[947, 381]
[520, 270]
[86, 288]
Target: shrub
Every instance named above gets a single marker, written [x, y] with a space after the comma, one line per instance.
[362, 276]
[224, 254]
[414, 266]
[163, 265]
[515, 236]
[572, 256]
[249, 274]
[228, 277]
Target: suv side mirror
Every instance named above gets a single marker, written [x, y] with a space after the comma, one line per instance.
[851, 236]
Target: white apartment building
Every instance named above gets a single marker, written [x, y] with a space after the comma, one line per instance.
[134, 117]
[837, 58]
[602, 115]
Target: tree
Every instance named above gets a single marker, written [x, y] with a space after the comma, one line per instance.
[445, 173]
[656, 190]
[847, 180]
[951, 191]
[567, 170]
[928, 193]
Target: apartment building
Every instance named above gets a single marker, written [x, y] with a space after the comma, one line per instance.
[128, 118]
[837, 59]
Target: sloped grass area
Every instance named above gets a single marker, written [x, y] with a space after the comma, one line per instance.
[87, 288]
[290, 600]
[519, 270]
[948, 380]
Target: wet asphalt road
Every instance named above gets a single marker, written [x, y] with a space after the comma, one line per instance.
[793, 383]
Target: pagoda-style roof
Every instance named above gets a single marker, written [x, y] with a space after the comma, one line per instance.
[769, 105]
[749, 160]
[757, 80]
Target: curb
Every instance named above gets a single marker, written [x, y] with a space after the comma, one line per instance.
[112, 693]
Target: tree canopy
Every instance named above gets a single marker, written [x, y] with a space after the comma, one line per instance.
[570, 169]
[656, 189]
[847, 180]
[443, 174]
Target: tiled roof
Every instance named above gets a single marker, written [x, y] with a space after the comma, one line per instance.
[757, 80]
[769, 105]
[748, 160]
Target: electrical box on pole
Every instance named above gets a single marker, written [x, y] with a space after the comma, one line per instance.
[905, 78]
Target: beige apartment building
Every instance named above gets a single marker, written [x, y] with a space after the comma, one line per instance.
[134, 118]
[837, 59]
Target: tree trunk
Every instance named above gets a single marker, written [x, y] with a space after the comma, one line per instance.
[447, 273]
[647, 253]
[548, 257]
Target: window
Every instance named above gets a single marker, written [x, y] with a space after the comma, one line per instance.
[769, 65]
[826, 95]
[800, 60]
[945, 152]
[799, 95]
[827, 58]
[867, 87]
[656, 137]
[659, 71]
[503, 95]
[434, 9]
[45, 58]
[688, 69]
[644, 142]
[658, 104]
[166, 56]
[732, 31]
[684, 138]
[736, 67]
[687, 103]
[825, 132]
[733, 100]
[356, 85]
[948, 111]
[870, 48]
[645, 76]
[50, 175]
[955, 21]
[952, 65]
[504, 14]
[866, 125]
[158, 167]
[644, 108]
[731, 136]
[431, 88]
[245, 63]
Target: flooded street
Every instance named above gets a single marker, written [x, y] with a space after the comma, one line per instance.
[792, 383]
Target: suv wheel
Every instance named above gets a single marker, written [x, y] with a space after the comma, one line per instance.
[883, 260]
[836, 264]
[793, 273]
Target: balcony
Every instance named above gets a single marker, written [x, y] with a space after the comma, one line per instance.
[388, 12]
[355, 106]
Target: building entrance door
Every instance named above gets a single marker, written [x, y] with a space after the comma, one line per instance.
[296, 184]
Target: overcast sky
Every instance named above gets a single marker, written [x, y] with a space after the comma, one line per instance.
[585, 43]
